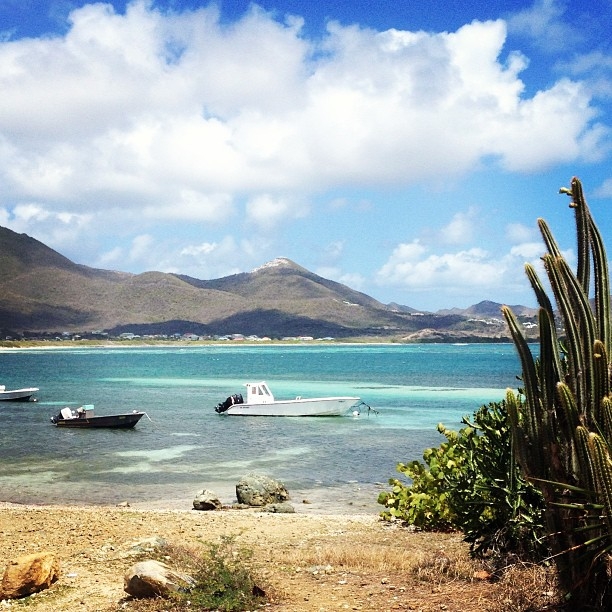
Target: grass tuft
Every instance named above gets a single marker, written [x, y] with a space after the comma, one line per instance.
[223, 578]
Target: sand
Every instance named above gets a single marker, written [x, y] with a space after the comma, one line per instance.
[305, 561]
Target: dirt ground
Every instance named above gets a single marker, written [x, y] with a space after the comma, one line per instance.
[305, 562]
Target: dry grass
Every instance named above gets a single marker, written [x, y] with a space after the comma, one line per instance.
[304, 563]
[425, 560]
[525, 587]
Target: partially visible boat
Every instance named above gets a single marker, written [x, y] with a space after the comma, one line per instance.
[17, 395]
[260, 402]
[84, 417]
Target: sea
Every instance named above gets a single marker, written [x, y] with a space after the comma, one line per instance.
[183, 446]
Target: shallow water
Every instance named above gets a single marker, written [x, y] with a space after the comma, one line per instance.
[186, 446]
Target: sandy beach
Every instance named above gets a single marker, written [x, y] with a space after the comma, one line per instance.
[304, 561]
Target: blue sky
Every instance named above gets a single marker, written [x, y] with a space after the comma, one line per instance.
[405, 149]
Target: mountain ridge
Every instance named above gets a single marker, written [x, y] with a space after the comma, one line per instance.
[43, 292]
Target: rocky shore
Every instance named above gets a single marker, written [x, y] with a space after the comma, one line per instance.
[305, 561]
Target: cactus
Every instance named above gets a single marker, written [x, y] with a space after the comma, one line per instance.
[562, 420]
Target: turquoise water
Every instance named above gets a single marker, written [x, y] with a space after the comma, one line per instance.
[186, 446]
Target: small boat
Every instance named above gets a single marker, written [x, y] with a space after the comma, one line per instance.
[17, 395]
[261, 402]
[84, 417]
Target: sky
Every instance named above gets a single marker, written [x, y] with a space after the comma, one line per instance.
[403, 148]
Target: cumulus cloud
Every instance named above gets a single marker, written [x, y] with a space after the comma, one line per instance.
[543, 23]
[130, 126]
[145, 104]
[354, 280]
[409, 266]
[605, 189]
[518, 233]
[461, 228]
[267, 211]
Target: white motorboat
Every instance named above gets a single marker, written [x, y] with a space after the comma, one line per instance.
[261, 402]
[17, 395]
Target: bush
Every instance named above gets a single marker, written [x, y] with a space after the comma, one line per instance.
[472, 483]
[223, 580]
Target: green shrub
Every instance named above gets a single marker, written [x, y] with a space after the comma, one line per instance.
[223, 578]
[424, 503]
[472, 483]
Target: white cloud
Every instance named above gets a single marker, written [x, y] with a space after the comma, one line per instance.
[200, 249]
[471, 268]
[141, 247]
[528, 250]
[334, 250]
[543, 23]
[194, 206]
[267, 211]
[604, 190]
[146, 105]
[110, 258]
[353, 280]
[518, 233]
[165, 139]
[225, 256]
[461, 228]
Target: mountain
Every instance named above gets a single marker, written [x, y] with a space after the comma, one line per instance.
[43, 292]
[487, 308]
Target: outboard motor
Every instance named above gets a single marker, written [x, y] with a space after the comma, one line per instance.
[230, 401]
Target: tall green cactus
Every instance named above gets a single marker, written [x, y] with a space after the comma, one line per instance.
[562, 422]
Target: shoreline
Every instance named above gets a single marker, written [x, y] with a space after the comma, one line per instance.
[345, 500]
[72, 344]
[112, 345]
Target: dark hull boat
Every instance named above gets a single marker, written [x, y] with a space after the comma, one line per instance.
[84, 418]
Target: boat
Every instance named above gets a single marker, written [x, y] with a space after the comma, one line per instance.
[261, 402]
[17, 395]
[84, 418]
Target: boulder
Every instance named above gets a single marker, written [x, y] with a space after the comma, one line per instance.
[206, 500]
[155, 579]
[282, 508]
[259, 490]
[29, 574]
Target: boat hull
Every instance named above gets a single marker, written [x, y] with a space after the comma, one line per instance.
[115, 421]
[328, 406]
[18, 395]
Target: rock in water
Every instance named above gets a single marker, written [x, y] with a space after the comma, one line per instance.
[259, 490]
[154, 579]
[29, 574]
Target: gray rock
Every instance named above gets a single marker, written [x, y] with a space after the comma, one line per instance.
[206, 500]
[155, 579]
[260, 490]
[282, 508]
[147, 545]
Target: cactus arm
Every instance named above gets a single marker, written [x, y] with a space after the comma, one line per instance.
[603, 471]
[575, 358]
[549, 240]
[600, 379]
[601, 286]
[584, 458]
[538, 289]
[550, 360]
[606, 418]
[531, 421]
[582, 233]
